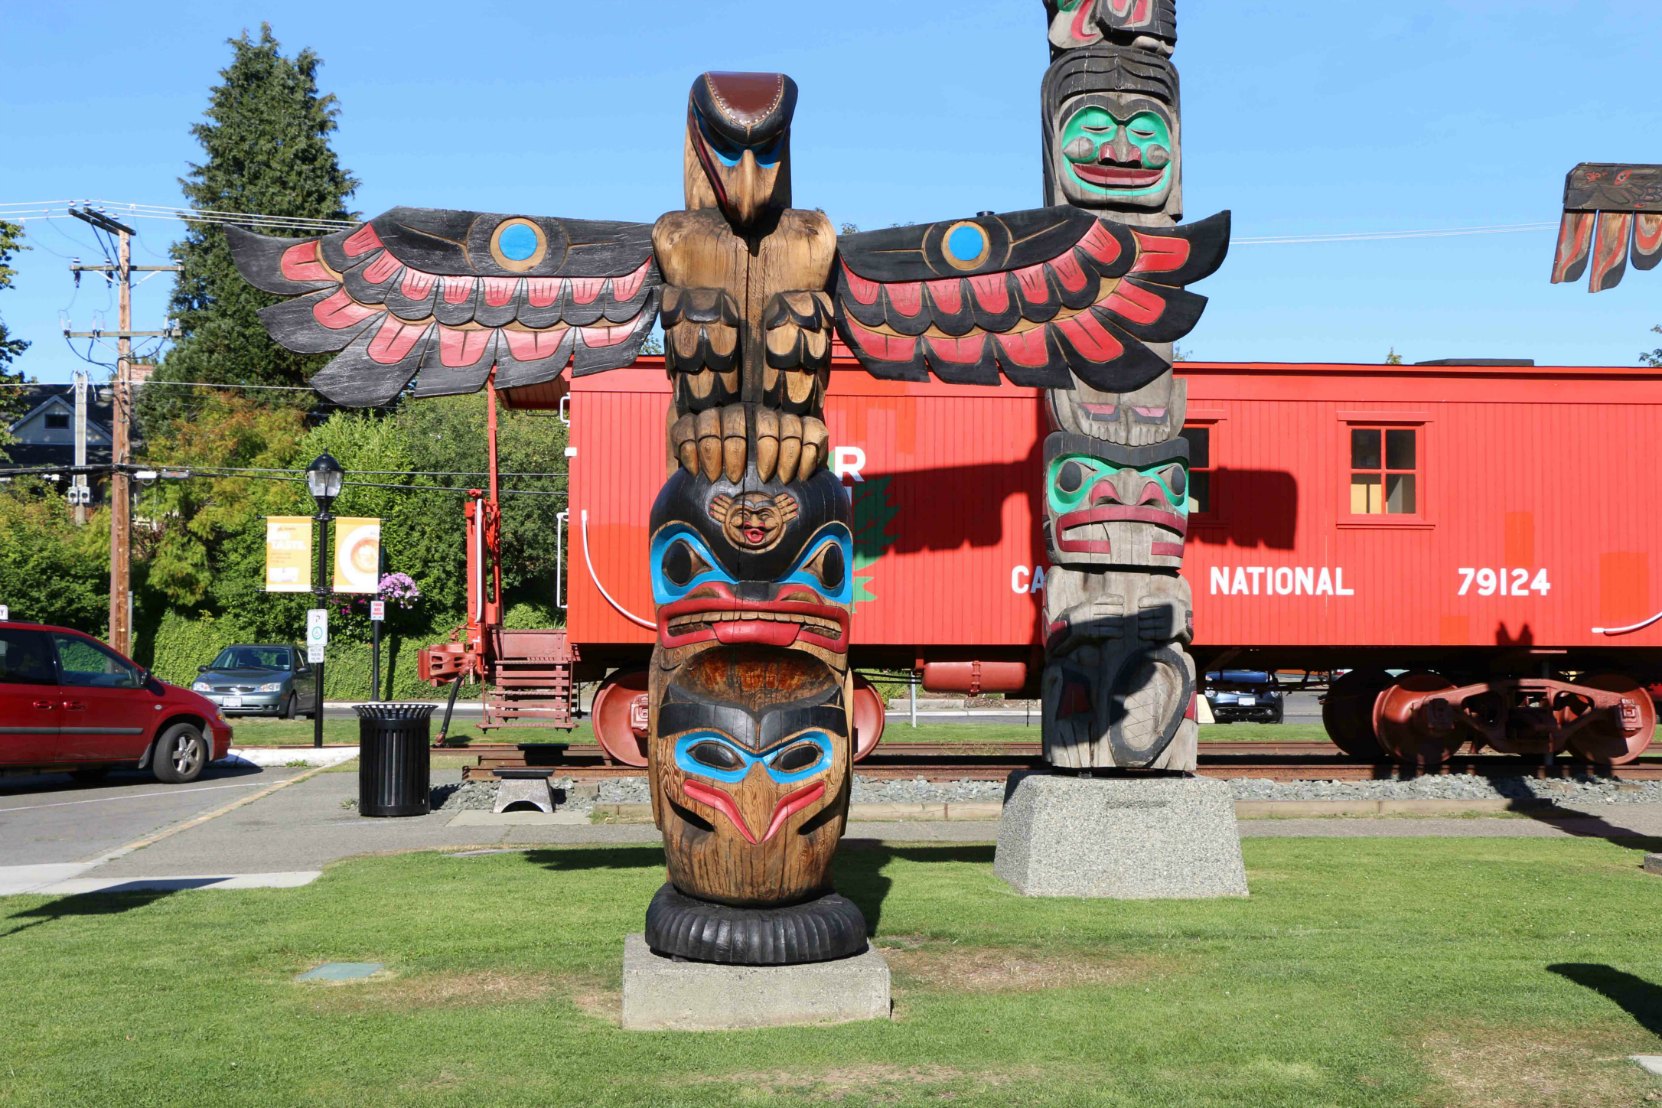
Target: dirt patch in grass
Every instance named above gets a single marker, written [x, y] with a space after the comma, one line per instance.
[1536, 1067]
[992, 970]
[870, 1083]
[452, 990]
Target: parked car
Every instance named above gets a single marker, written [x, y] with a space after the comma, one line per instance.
[260, 681]
[1244, 694]
[70, 703]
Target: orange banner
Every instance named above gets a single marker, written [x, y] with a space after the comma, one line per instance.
[288, 554]
[357, 555]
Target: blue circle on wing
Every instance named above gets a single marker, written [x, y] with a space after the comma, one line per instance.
[517, 241]
[967, 243]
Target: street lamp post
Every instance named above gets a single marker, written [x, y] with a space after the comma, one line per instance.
[324, 478]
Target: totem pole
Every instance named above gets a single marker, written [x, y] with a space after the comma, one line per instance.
[1118, 688]
[1609, 211]
[750, 740]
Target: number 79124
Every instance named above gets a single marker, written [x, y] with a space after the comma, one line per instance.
[1504, 582]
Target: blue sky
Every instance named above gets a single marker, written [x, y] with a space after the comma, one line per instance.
[1307, 117]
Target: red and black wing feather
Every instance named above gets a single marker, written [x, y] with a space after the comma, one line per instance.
[1039, 297]
[442, 297]
[1612, 214]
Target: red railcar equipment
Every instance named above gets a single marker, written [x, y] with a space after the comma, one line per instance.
[1470, 524]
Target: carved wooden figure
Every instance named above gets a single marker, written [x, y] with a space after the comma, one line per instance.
[1118, 686]
[752, 555]
[1611, 213]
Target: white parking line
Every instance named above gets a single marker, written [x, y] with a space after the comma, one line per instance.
[128, 796]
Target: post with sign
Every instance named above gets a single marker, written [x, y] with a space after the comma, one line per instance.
[5, 612]
[377, 615]
[317, 637]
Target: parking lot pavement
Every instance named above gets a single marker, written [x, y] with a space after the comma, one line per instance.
[47, 819]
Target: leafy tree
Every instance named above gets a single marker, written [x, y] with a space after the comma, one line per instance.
[1393, 358]
[266, 141]
[52, 571]
[1654, 358]
[11, 400]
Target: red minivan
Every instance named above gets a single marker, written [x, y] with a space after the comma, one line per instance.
[70, 703]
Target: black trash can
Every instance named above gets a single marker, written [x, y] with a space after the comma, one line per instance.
[394, 759]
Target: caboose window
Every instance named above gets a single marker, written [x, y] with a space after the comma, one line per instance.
[1384, 471]
[1199, 439]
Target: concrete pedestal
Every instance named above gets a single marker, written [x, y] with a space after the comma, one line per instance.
[661, 994]
[1120, 838]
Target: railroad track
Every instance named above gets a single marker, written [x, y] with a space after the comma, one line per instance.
[995, 761]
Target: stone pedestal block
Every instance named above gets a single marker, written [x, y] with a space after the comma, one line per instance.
[661, 994]
[1653, 863]
[1121, 838]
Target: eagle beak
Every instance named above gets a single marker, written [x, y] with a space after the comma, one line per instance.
[753, 191]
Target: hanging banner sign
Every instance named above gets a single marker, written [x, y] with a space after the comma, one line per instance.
[357, 555]
[288, 553]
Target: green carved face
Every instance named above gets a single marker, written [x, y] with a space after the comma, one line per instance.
[1111, 156]
[1075, 480]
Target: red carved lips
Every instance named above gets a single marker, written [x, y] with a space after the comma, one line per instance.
[1118, 177]
[787, 807]
[1116, 513]
[755, 536]
[730, 621]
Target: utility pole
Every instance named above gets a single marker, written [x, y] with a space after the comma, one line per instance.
[121, 502]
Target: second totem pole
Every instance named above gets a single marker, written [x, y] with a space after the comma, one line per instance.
[1118, 687]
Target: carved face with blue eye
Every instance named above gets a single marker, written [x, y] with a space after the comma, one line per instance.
[716, 756]
[738, 128]
[793, 587]
[1108, 504]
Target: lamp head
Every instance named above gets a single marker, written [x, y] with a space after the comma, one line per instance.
[324, 478]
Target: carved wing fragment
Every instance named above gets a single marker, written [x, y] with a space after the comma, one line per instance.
[1038, 297]
[1611, 213]
[443, 296]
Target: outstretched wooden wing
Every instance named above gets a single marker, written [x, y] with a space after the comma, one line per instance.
[444, 296]
[1609, 210]
[1029, 295]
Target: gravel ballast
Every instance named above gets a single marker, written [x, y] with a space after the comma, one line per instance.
[476, 795]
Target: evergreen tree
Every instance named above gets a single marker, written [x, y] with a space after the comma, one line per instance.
[266, 140]
[11, 400]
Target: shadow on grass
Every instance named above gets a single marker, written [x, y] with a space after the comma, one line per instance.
[566, 859]
[1585, 825]
[1637, 997]
[860, 863]
[857, 872]
[109, 902]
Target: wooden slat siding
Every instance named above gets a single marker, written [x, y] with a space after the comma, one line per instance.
[1571, 447]
[1574, 447]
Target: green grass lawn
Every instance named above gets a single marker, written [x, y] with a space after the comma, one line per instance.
[463, 731]
[1378, 972]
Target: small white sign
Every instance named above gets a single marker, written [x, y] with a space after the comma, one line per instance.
[314, 654]
[377, 610]
[317, 627]
[5, 612]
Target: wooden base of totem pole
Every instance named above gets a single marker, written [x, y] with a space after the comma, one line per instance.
[1120, 838]
[663, 994]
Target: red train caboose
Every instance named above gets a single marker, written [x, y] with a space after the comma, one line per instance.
[1470, 524]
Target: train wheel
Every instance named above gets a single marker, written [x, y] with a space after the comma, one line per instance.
[620, 718]
[869, 715]
[1347, 712]
[1412, 734]
[1622, 735]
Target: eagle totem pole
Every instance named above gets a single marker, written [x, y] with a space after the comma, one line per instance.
[1118, 687]
[750, 739]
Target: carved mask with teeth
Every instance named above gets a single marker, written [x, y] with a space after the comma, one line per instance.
[752, 563]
